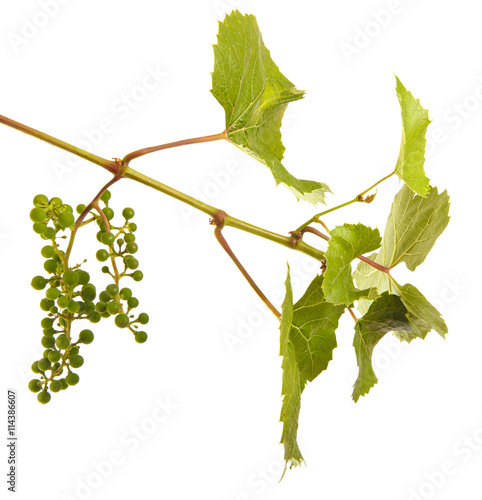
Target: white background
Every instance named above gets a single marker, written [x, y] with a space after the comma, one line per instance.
[212, 353]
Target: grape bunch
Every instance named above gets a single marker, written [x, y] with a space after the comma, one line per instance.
[69, 293]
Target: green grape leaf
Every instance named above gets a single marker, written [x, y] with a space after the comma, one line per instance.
[413, 226]
[307, 341]
[254, 95]
[346, 243]
[387, 313]
[412, 150]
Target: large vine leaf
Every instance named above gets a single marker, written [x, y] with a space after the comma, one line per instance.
[306, 343]
[387, 313]
[413, 226]
[346, 243]
[254, 95]
[412, 150]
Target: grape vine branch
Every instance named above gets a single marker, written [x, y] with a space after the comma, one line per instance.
[254, 94]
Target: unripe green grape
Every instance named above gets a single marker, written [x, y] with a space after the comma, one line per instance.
[43, 397]
[35, 367]
[44, 364]
[89, 307]
[72, 379]
[113, 307]
[122, 320]
[80, 208]
[105, 196]
[83, 276]
[62, 342]
[73, 307]
[132, 227]
[107, 238]
[66, 219]
[46, 323]
[143, 319]
[47, 341]
[70, 277]
[63, 384]
[129, 238]
[56, 201]
[105, 269]
[102, 255]
[40, 199]
[89, 292]
[52, 293]
[133, 302]
[47, 251]
[37, 215]
[39, 228]
[137, 275]
[108, 212]
[50, 266]
[54, 356]
[38, 283]
[112, 290]
[140, 337]
[63, 302]
[73, 351]
[131, 263]
[101, 307]
[86, 336]
[125, 293]
[55, 386]
[128, 213]
[76, 361]
[49, 233]
[35, 385]
[46, 304]
[94, 317]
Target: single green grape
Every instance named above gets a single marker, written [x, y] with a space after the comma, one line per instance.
[112, 290]
[122, 320]
[72, 379]
[102, 255]
[143, 319]
[113, 307]
[44, 364]
[128, 213]
[38, 283]
[52, 293]
[105, 196]
[35, 367]
[125, 293]
[86, 336]
[107, 238]
[37, 215]
[39, 228]
[133, 302]
[94, 317]
[66, 219]
[131, 262]
[50, 266]
[35, 385]
[43, 397]
[40, 199]
[76, 361]
[108, 212]
[80, 208]
[129, 238]
[137, 275]
[62, 342]
[70, 277]
[63, 302]
[55, 386]
[54, 356]
[63, 384]
[140, 337]
[47, 251]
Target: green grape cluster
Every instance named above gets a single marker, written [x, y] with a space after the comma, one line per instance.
[70, 295]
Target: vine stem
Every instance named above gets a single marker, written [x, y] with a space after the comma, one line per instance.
[222, 241]
[184, 142]
[368, 261]
[358, 198]
[112, 166]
